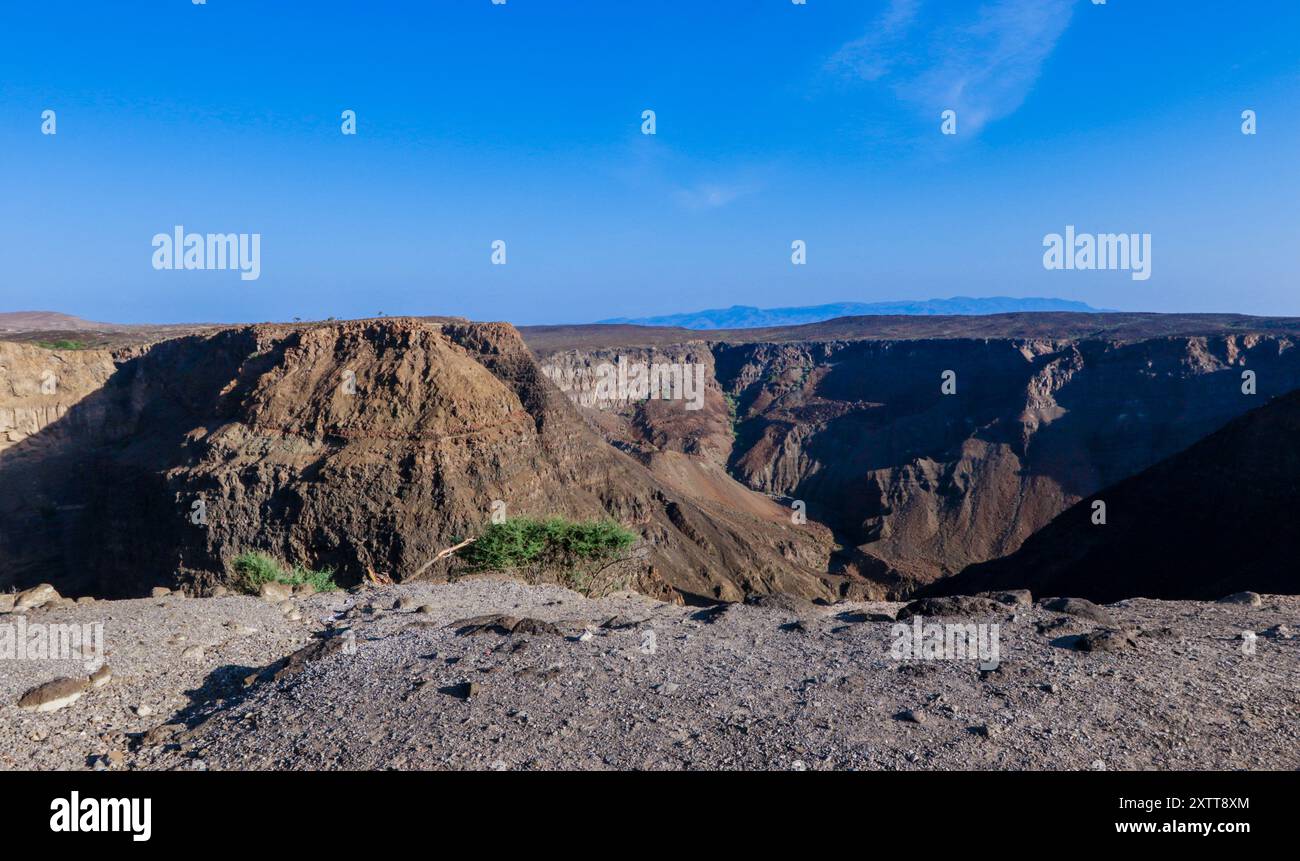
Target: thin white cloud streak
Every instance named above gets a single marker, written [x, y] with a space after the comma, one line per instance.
[662, 173]
[709, 195]
[981, 65]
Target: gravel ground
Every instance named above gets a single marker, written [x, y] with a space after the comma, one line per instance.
[787, 685]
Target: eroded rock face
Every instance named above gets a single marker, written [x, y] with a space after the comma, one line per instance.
[369, 446]
[47, 410]
[1214, 519]
[204, 446]
[39, 386]
[917, 484]
[930, 483]
[700, 426]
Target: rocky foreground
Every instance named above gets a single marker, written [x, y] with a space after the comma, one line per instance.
[493, 674]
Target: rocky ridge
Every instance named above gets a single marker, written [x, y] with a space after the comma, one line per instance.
[366, 447]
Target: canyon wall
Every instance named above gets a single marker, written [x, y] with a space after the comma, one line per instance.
[917, 484]
[47, 410]
[1215, 519]
[824, 467]
[366, 447]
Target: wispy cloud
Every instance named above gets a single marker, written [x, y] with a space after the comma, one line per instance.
[935, 56]
[698, 185]
[709, 195]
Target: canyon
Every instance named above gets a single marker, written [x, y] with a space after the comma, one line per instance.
[826, 460]
[914, 484]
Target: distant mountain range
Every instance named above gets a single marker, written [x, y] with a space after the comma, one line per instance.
[735, 317]
[749, 317]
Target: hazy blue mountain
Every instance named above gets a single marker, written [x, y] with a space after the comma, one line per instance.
[748, 317]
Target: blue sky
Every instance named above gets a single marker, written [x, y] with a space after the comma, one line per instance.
[522, 122]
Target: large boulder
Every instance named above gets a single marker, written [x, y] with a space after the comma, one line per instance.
[54, 695]
[274, 593]
[35, 598]
[1081, 607]
[953, 605]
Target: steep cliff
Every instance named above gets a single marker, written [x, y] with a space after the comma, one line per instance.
[371, 445]
[47, 410]
[365, 446]
[1215, 519]
[916, 483]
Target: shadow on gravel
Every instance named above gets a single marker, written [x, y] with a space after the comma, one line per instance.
[228, 686]
[709, 615]
[855, 617]
[224, 686]
[462, 691]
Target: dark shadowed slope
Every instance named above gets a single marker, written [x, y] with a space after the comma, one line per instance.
[1217, 518]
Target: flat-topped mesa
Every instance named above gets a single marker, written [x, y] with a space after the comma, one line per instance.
[365, 446]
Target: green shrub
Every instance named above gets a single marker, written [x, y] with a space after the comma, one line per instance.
[574, 552]
[61, 344]
[254, 569]
[733, 415]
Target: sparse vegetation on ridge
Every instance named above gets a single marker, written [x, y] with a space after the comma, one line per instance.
[62, 344]
[254, 569]
[733, 414]
[574, 553]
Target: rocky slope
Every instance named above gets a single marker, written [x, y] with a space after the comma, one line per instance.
[395, 678]
[365, 446]
[1214, 519]
[917, 484]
